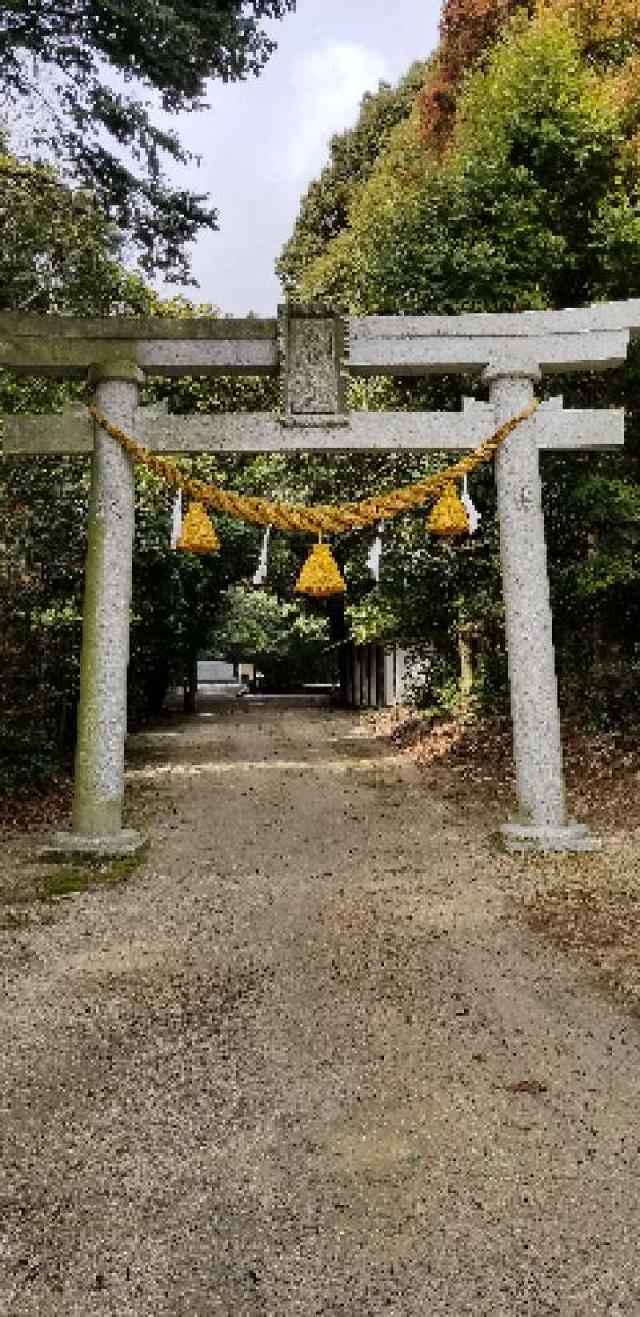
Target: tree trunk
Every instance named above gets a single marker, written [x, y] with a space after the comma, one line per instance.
[191, 686]
[465, 653]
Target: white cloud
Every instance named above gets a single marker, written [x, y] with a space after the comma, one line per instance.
[328, 85]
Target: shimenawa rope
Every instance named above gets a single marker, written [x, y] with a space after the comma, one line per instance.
[317, 518]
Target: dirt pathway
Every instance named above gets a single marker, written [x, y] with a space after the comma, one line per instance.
[302, 1063]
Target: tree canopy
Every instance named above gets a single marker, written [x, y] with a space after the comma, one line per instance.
[91, 74]
[525, 194]
[59, 253]
[324, 210]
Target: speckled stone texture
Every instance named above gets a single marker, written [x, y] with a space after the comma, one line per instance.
[312, 344]
[591, 338]
[71, 844]
[572, 838]
[68, 346]
[532, 675]
[597, 430]
[102, 715]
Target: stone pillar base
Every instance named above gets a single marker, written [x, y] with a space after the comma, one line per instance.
[125, 842]
[574, 838]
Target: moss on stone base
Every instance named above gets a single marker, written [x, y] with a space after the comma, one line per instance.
[66, 879]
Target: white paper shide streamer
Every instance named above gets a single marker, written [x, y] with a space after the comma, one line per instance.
[261, 573]
[176, 519]
[375, 554]
[470, 508]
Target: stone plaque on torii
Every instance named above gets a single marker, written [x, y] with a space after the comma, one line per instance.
[314, 353]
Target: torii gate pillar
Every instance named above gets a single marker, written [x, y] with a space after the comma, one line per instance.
[102, 713]
[537, 745]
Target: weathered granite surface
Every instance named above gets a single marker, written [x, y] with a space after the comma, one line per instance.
[102, 714]
[67, 346]
[312, 346]
[258, 432]
[542, 822]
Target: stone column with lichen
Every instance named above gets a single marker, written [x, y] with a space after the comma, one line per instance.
[542, 822]
[102, 714]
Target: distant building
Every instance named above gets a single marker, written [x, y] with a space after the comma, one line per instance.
[212, 672]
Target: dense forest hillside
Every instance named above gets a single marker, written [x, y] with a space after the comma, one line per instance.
[510, 181]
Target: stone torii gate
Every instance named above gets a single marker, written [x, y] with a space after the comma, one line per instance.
[314, 353]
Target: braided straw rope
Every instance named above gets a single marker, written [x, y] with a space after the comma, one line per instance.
[320, 517]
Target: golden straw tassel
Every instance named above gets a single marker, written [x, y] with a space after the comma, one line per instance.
[449, 516]
[198, 532]
[320, 575]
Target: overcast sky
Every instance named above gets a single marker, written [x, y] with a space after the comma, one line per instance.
[262, 141]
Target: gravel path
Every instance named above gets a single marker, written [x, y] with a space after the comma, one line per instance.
[304, 1063]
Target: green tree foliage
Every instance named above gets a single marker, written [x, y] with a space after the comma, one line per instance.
[513, 217]
[76, 67]
[534, 203]
[43, 513]
[288, 642]
[324, 211]
[60, 255]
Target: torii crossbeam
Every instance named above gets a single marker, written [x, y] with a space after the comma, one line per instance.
[314, 353]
